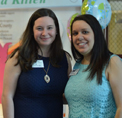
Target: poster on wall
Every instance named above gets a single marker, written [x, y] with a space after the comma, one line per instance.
[6, 4]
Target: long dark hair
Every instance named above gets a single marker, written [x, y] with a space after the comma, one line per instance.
[99, 54]
[28, 50]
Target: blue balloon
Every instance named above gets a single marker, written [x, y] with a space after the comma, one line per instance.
[100, 9]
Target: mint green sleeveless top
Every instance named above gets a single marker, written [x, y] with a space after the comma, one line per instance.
[87, 99]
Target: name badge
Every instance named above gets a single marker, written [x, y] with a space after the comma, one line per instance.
[38, 64]
[74, 72]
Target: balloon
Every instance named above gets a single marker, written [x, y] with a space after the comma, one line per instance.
[100, 9]
[69, 24]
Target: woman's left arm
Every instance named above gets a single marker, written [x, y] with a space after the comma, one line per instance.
[115, 79]
[69, 64]
[68, 72]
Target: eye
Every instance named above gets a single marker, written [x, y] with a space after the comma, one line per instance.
[50, 28]
[74, 33]
[39, 28]
[85, 32]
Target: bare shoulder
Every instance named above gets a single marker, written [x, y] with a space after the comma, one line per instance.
[11, 62]
[115, 69]
[115, 61]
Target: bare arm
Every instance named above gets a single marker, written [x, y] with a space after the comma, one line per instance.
[115, 79]
[69, 64]
[68, 72]
[11, 74]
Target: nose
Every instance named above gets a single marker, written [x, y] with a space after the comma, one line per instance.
[44, 32]
[80, 36]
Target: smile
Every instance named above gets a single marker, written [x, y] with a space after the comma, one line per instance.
[83, 43]
[44, 38]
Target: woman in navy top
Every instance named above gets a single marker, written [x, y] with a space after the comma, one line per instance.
[37, 71]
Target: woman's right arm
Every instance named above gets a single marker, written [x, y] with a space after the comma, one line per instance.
[11, 74]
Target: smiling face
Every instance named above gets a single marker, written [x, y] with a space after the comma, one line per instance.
[44, 31]
[83, 37]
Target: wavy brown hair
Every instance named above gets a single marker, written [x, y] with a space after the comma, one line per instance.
[28, 49]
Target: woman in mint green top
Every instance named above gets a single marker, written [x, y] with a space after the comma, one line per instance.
[95, 84]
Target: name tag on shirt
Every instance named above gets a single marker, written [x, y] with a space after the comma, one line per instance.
[74, 72]
[38, 64]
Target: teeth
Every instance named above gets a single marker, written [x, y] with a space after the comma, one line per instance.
[82, 43]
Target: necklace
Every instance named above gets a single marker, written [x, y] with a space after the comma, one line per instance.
[46, 77]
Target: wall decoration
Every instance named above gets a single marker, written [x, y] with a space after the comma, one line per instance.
[3, 58]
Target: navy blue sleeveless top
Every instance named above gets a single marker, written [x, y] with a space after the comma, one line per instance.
[34, 98]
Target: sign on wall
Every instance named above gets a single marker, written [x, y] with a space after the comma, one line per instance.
[7, 4]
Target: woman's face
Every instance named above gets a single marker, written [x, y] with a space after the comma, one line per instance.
[83, 37]
[44, 31]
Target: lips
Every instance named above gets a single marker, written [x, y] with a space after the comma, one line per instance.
[83, 43]
[44, 39]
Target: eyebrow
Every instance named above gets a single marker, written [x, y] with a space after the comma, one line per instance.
[50, 25]
[82, 29]
[85, 29]
[47, 26]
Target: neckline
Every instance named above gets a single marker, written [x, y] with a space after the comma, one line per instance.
[42, 57]
[84, 64]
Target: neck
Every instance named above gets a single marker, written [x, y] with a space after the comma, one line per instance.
[44, 52]
[86, 60]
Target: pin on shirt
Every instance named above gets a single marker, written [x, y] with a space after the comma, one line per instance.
[74, 72]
